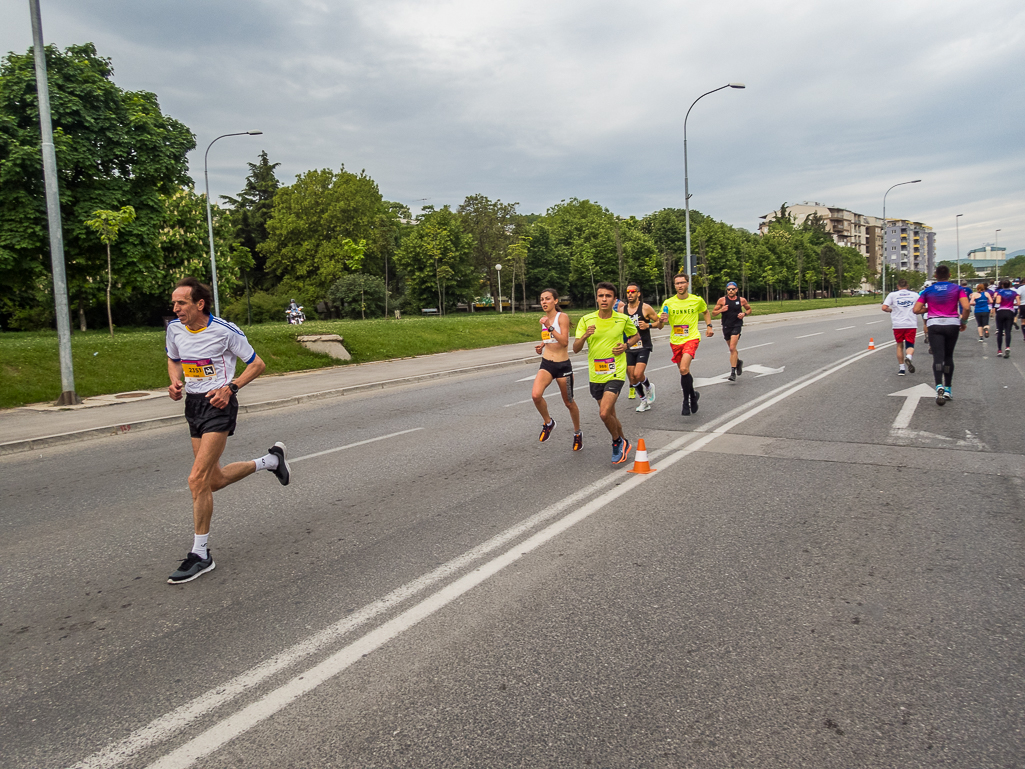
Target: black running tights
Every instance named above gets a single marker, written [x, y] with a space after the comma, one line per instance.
[942, 340]
[1005, 322]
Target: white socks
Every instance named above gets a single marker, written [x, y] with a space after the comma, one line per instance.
[267, 462]
[199, 545]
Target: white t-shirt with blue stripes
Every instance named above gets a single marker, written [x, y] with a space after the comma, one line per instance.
[208, 356]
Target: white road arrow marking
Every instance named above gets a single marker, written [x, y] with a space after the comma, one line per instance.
[913, 395]
[755, 367]
[764, 370]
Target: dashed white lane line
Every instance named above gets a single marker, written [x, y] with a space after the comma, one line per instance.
[352, 445]
[528, 400]
[754, 346]
[843, 328]
[817, 333]
[873, 322]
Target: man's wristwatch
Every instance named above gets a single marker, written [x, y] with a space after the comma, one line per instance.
[233, 387]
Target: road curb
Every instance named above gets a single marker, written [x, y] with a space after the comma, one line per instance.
[33, 444]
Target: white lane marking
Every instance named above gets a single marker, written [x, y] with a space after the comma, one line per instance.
[873, 322]
[245, 719]
[817, 333]
[173, 722]
[529, 400]
[352, 445]
[844, 328]
[911, 395]
[752, 347]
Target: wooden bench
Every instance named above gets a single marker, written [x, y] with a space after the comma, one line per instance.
[429, 310]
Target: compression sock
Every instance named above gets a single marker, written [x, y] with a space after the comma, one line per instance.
[640, 389]
[687, 382]
[199, 545]
[267, 462]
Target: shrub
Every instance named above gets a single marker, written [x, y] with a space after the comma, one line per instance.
[358, 295]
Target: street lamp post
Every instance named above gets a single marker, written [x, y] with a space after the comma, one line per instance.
[209, 219]
[499, 268]
[996, 248]
[686, 180]
[957, 229]
[898, 184]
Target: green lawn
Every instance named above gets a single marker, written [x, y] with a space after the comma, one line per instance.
[134, 358]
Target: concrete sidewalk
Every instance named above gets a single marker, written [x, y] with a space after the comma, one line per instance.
[38, 426]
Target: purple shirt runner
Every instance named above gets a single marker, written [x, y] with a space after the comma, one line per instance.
[943, 301]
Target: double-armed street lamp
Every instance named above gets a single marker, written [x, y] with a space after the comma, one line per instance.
[686, 180]
[898, 184]
[209, 219]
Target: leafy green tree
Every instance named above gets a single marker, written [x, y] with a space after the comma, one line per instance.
[321, 227]
[251, 210]
[545, 267]
[583, 236]
[489, 223]
[358, 295]
[114, 148]
[108, 225]
[436, 258]
[1012, 268]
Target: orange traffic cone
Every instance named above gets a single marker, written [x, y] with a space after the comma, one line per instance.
[871, 343]
[641, 466]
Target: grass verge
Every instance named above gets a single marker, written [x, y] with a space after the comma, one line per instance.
[134, 359]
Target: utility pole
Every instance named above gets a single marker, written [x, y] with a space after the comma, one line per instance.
[68, 396]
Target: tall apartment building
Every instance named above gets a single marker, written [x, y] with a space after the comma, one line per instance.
[909, 246]
[847, 228]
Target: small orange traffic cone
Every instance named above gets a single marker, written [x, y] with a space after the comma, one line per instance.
[871, 343]
[641, 466]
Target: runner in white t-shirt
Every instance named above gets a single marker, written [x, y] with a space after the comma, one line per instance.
[202, 351]
[900, 305]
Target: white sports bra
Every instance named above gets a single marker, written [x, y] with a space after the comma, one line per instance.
[547, 337]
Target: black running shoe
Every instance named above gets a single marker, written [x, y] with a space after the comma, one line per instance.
[986, 331]
[191, 568]
[546, 431]
[740, 367]
[732, 377]
[694, 401]
[686, 406]
[911, 366]
[282, 471]
[578, 441]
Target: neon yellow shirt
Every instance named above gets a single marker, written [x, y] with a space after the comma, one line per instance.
[683, 317]
[602, 364]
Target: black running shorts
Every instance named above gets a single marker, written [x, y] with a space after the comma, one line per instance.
[635, 355]
[557, 369]
[982, 318]
[730, 331]
[204, 418]
[598, 389]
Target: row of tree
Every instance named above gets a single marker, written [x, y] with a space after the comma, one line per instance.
[329, 238]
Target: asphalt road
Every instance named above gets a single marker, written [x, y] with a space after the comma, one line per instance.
[801, 583]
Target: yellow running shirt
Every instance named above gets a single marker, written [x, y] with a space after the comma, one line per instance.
[683, 317]
[602, 365]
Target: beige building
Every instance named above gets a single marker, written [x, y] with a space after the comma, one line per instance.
[847, 228]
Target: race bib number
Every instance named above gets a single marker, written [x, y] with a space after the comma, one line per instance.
[546, 335]
[198, 369]
[604, 365]
[681, 330]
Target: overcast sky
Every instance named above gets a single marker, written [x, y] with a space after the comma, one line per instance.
[536, 102]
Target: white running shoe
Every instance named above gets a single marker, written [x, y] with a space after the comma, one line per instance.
[650, 394]
[645, 406]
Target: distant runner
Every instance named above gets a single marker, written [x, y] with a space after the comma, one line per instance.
[901, 305]
[681, 312]
[555, 364]
[733, 309]
[1007, 308]
[643, 317]
[947, 306]
[202, 351]
[603, 332]
[979, 301]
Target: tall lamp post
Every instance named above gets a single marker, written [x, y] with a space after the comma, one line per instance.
[499, 268]
[957, 229]
[996, 248]
[686, 180]
[209, 219]
[898, 184]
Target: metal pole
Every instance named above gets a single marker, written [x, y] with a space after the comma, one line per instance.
[68, 396]
[996, 249]
[498, 268]
[209, 220]
[686, 175]
[915, 181]
[957, 229]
